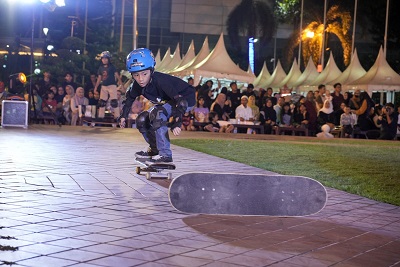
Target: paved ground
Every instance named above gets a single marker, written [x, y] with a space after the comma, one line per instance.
[70, 197]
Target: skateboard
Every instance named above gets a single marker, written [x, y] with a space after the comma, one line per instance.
[94, 122]
[243, 194]
[157, 168]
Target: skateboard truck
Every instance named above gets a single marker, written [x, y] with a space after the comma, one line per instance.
[156, 168]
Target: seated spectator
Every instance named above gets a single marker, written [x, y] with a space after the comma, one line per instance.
[347, 122]
[77, 100]
[286, 115]
[243, 111]
[325, 132]
[49, 104]
[92, 100]
[398, 120]
[200, 112]
[301, 117]
[388, 119]
[221, 107]
[325, 116]
[187, 122]
[268, 116]
[214, 126]
[255, 109]
[70, 92]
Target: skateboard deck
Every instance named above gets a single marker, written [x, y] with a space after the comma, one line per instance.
[156, 168]
[242, 194]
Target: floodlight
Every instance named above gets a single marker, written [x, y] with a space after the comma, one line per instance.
[60, 3]
[44, 1]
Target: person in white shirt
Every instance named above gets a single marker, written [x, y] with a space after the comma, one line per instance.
[244, 113]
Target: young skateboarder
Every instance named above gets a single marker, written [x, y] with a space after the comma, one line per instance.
[172, 98]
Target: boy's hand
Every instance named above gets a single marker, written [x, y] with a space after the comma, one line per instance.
[122, 123]
[176, 131]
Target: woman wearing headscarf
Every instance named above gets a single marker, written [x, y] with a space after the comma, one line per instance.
[268, 116]
[325, 116]
[77, 100]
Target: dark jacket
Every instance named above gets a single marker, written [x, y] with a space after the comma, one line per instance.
[162, 87]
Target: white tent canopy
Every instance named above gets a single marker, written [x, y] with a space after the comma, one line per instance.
[353, 72]
[330, 73]
[175, 60]
[309, 74]
[262, 77]
[276, 77]
[379, 77]
[186, 69]
[189, 56]
[292, 76]
[158, 58]
[219, 65]
[165, 60]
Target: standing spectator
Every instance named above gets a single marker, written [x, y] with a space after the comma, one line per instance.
[107, 76]
[337, 100]
[44, 84]
[347, 96]
[250, 91]
[235, 97]
[68, 81]
[388, 120]
[311, 106]
[354, 102]
[364, 120]
[320, 99]
[90, 84]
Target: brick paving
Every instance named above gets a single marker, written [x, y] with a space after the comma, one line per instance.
[70, 196]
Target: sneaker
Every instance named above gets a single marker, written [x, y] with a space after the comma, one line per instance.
[159, 159]
[145, 154]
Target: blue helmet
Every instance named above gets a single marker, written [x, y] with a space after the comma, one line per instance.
[140, 59]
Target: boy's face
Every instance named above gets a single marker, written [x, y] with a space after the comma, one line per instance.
[142, 77]
[347, 110]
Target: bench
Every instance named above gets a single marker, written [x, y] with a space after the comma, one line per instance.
[281, 129]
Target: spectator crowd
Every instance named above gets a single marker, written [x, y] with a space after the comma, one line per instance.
[221, 109]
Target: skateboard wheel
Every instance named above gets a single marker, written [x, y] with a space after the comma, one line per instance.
[138, 170]
[148, 175]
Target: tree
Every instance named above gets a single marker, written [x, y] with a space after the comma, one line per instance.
[251, 18]
[338, 23]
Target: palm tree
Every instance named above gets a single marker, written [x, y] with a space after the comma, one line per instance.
[338, 23]
[251, 18]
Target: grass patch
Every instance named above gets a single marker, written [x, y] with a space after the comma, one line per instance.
[367, 168]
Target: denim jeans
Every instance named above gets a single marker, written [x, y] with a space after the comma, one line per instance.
[161, 134]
